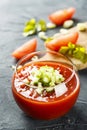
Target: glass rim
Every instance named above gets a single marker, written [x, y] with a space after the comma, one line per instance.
[25, 58]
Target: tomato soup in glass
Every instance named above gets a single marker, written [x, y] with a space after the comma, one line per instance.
[45, 101]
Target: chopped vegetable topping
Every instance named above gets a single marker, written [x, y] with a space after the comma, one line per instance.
[42, 35]
[68, 23]
[51, 25]
[33, 26]
[30, 27]
[41, 26]
[44, 78]
[75, 51]
[63, 31]
[82, 27]
[49, 39]
[31, 22]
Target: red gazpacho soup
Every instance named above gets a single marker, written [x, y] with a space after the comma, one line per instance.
[45, 89]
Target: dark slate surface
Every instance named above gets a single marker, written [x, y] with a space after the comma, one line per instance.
[13, 15]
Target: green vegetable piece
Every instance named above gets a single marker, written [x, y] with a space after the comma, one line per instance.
[31, 22]
[41, 25]
[80, 53]
[75, 51]
[35, 81]
[30, 32]
[49, 39]
[82, 49]
[45, 78]
[39, 89]
[59, 79]
[64, 49]
[49, 89]
[30, 28]
[70, 45]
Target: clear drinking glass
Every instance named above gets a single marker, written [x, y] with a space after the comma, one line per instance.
[50, 107]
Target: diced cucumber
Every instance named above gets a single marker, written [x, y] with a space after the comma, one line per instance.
[45, 78]
[49, 89]
[39, 89]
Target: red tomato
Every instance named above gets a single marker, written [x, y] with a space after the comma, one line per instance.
[63, 40]
[60, 16]
[26, 48]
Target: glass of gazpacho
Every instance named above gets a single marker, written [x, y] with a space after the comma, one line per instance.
[45, 84]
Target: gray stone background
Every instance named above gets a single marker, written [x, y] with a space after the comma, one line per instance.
[13, 15]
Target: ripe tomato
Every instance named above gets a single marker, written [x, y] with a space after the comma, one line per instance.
[63, 40]
[60, 16]
[26, 48]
